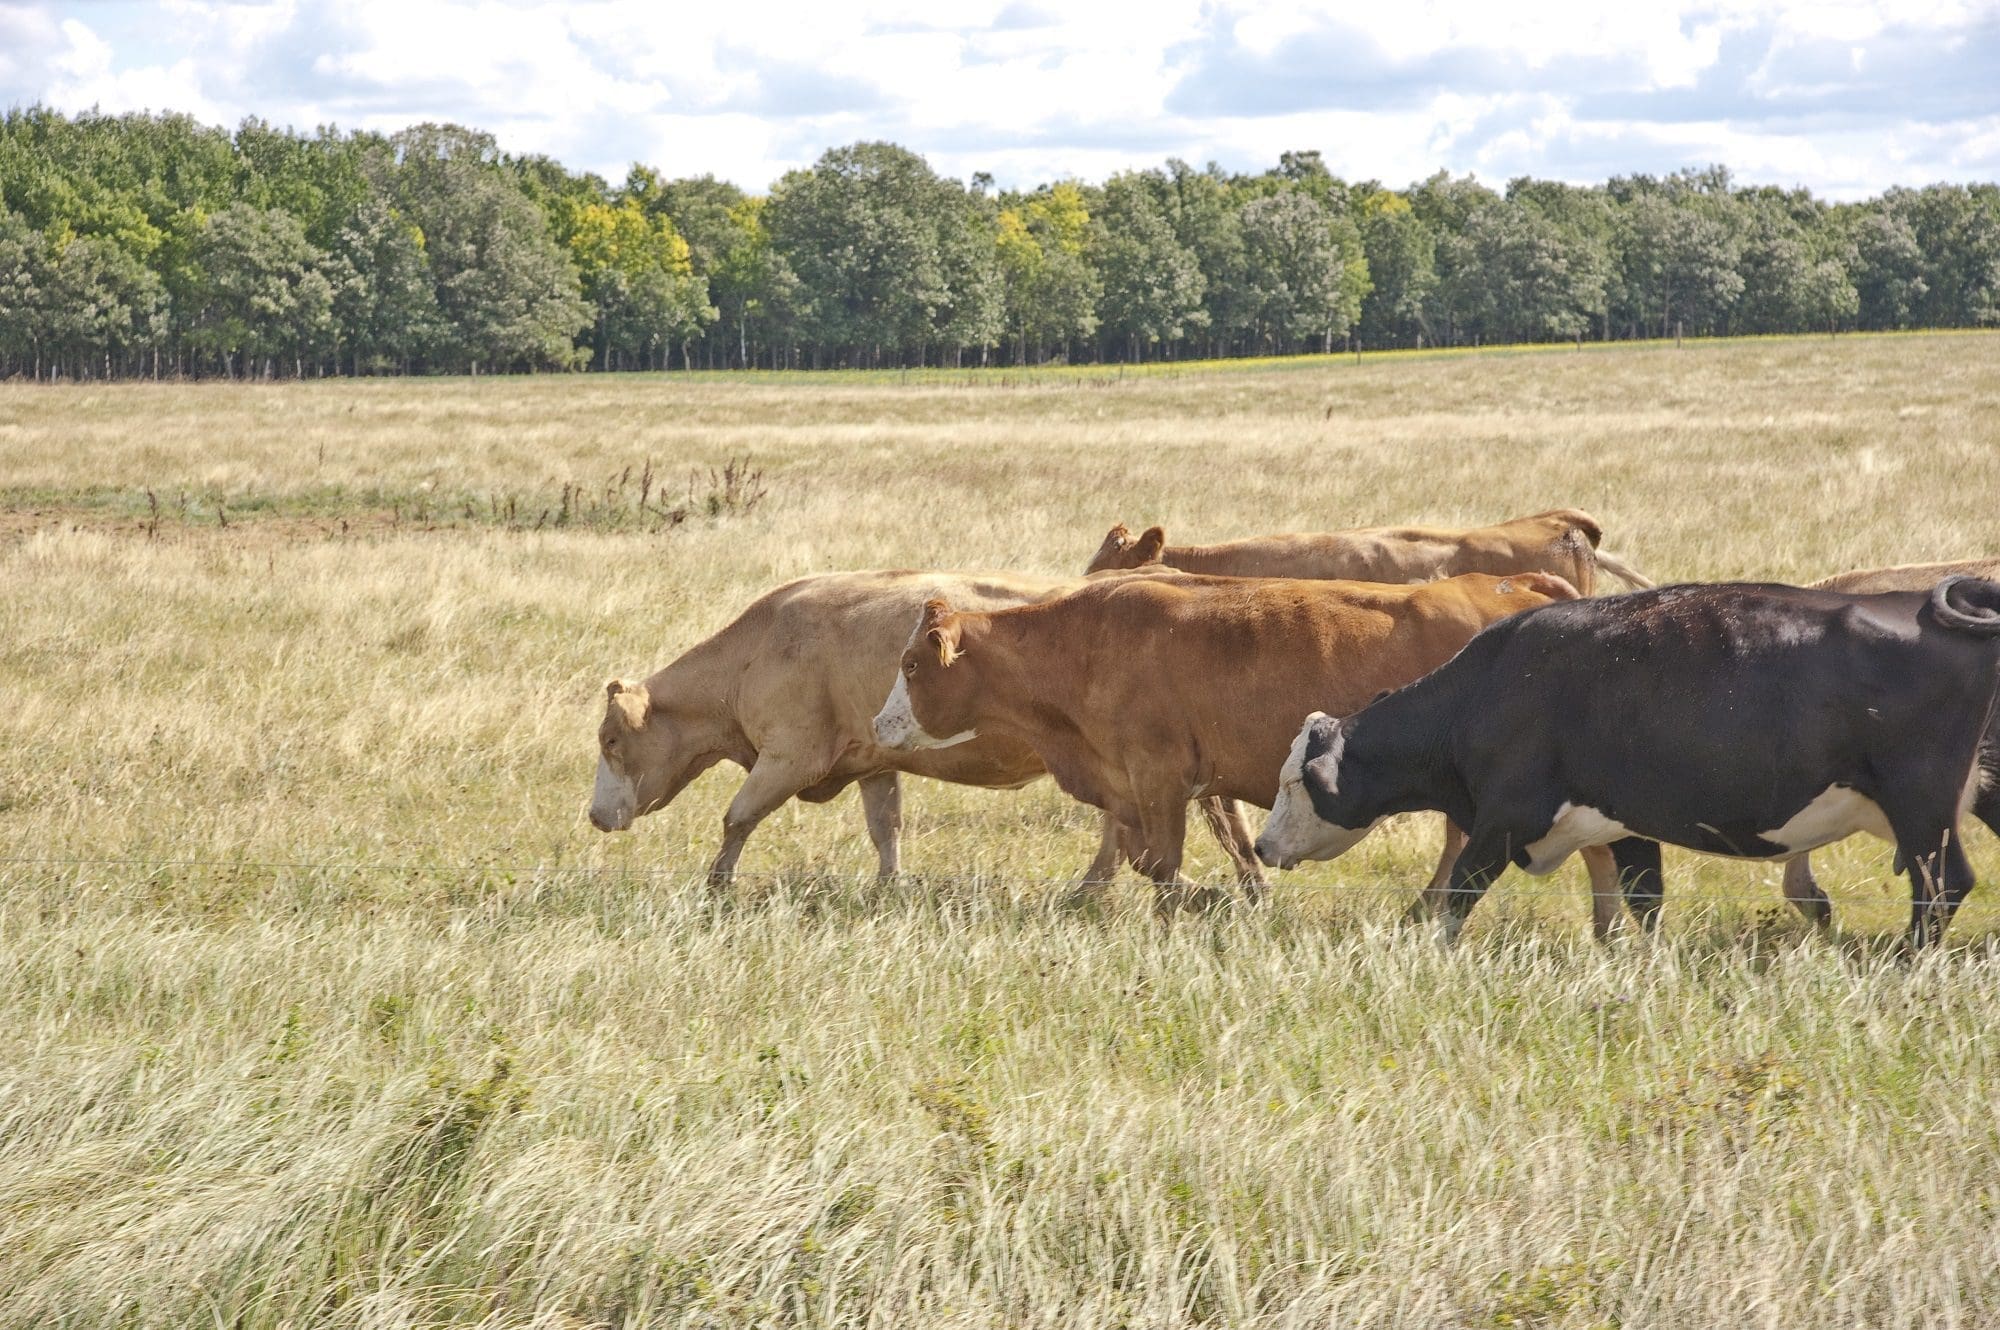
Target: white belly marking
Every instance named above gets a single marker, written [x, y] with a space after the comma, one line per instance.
[1576, 827]
[1834, 814]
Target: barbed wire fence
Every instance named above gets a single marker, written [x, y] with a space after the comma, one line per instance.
[1511, 886]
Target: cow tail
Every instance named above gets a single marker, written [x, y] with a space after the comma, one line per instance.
[1623, 571]
[1968, 605]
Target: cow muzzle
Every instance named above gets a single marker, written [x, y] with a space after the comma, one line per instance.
[896, 723]
[614, 801]
[1271, 857]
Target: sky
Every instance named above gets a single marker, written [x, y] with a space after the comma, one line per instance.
[1846, 97]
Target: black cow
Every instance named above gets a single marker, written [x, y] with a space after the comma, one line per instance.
[1748, 720]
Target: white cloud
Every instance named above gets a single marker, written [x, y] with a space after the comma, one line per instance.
[1848, 96]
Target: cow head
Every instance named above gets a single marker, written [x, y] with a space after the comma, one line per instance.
[1308, 821]
[930, 698]
[1121, 549]
[644, 758]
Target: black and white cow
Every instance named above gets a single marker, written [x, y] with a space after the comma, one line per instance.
[1748, 720]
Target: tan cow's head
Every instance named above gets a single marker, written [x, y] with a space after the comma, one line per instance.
[644, 758]
[935, 691]
[1121, 549]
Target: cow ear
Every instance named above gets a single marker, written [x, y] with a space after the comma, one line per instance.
[628, 701]
[1150, 543]
[944, 638]
[1324, 770]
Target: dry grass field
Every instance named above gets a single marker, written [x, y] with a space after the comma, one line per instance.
[321, 1003]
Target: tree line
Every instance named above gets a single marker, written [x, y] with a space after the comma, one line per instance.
[153, 245]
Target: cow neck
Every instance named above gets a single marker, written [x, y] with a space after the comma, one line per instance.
[1406, 741]
[1011, 688]
[1210, 559]
[700, 685]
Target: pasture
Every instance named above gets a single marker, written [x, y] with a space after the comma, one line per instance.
[321, 1003]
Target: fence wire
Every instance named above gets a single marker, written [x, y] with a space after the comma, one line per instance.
[1513, 886]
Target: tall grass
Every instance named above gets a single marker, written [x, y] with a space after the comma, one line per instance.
[321, 1004]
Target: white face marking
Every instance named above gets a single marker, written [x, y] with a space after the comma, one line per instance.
[896, 723]
[1295, 832]
[1835, 813]
[614, 800]
[1576, 827]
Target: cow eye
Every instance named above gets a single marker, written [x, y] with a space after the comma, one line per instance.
[910, 667]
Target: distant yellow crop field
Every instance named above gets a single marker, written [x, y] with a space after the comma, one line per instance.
[320, 1002]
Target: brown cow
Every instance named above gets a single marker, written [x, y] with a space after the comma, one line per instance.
[788, 690]
[1563, 542]
[1115, 685]
[1801, 888]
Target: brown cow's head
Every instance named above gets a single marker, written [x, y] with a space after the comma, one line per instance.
[644, 758]
[1122, 550]
[931, 697]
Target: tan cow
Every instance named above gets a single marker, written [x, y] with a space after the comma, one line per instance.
[1115, 686]
[788, 691]
[1801, 888]
[1563, 542]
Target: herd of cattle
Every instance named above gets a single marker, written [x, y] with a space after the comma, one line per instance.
[1339, 678]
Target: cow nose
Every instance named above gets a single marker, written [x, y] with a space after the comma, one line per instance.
[597, 820]
[1264, 854]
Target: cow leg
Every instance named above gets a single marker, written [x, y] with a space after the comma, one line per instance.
[771, 781]
[1103, 869]
[1162, 843]
[1483, 859]
[1639, 880]
[1986, 804]
[1803, 891]
[1607, 902]
[1430, 901]
[1940, 878]
[882, 806]
[1232, 832]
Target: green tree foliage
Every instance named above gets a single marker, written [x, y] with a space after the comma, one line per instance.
[22, 323]
[1445, 207]
[1152, 282]
[1205, 209]
[973, 312]
[862, 230]
[1298, 254]
[1050, 285]
[384, 296]
[1538, 265]
[1401, 254]
[1680, 246]
[147, 244]
[262, 293]
[1889, 268]
[508, 295]
[638, 277]
[755, 288]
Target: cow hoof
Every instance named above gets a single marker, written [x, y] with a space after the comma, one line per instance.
[1083, 898]
[1198, 900]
